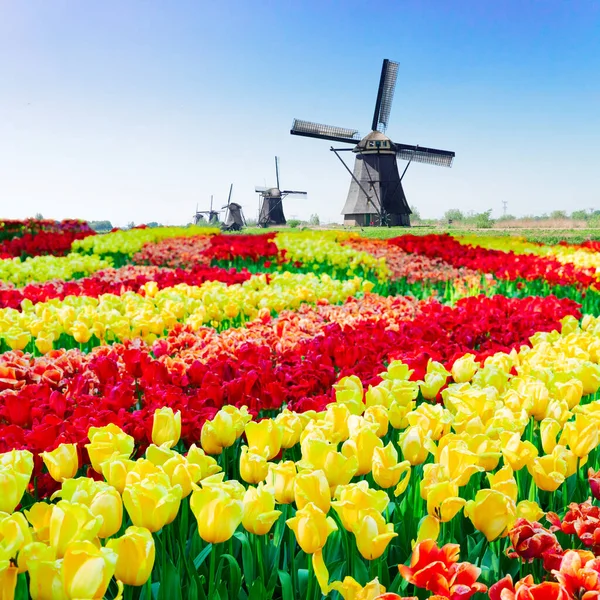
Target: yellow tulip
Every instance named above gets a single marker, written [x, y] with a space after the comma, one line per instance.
[529, 510]
[166, 427]
[443, 501]
[312, 527]
[492, 512]
[315, 450]
[504, 481]
[218, 514]
[379, 416]
[397, 413]
[549, 472]
[571, 391]
[14, 535]
[108, 504]
[336, 419]
[44, 343]
[8, 580]
[159, 455]
[81, 332]
[516, 452]
[62, 463]
[373, 534]
[264, 438]
[17, 339]
[355, 499]
[16, 468]
[259, 510]
[281, 478]
[182, 473]
[291, 428]
[433, 419]
[339, 469]
[115, 471]
[69, 523]
[152, 503]
[378, 395]
[362, 444]
[349, 391]
[397, 371]
[464, 368]
[253, 467]
[581, 435]
[412, 444]
[39, 518]
[312, 487]
[429, 529]
[387, 471]
[208, 465]
[350, 589]
[108, 442]
[45, 580]
[87, 570]
[589, 375]
[218, 433]
[549, 429]
[136, 552]
[458, 462]
[432, 384]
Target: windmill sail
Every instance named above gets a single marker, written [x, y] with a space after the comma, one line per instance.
[385, 95]
[429, 156]
[325, 132]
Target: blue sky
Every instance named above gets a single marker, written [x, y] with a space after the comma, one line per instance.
[136, 111]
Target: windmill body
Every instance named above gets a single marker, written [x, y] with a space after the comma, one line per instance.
[270, 209]
[376, 195]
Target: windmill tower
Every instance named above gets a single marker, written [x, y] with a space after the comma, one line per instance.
[270, 207]
[376, 196]
[234, 215]
[213, 215]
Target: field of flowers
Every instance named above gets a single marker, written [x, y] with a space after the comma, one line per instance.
[296, 415]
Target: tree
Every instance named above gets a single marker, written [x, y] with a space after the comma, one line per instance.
[314, 220]
[416, 215]
[100, 225]
[453, 214]
[580, 215]
[558, 214]
[130, 225]
[38, 216]
[484, 220]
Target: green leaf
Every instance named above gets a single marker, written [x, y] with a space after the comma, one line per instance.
[257, 590]
[302, 582]
[170, 585]
[22, 591]
[234, 581]
[287, 590]
[199, 560]
[247, 557]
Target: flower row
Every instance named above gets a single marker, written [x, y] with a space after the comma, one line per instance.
[57, 244]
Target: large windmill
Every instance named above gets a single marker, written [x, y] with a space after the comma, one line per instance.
[270, 209]
[376, 196]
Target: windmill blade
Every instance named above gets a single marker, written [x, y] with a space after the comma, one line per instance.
[277, 170]
[429, 156]
[325, 132]
[385, 95]
[260, 189]
[294, 193]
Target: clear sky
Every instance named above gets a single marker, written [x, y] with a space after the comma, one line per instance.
[135, 110]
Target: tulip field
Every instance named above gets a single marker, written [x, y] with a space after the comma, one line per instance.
[297, 415]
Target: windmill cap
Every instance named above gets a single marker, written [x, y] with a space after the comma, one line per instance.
[375, 142]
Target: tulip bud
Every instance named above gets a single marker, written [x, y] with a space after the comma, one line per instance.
[281, 478]
[253, 467]
[464, 368]
[264, 438]
[81, 332]
[108, 442]
[135, 551]
[412, 444]
[379, 416]
[386, 468]
[373, 534]
[312, 527]
[62, 463]
[349, 391]
[152, 503]
[219, 433]
[313, 488]
[259, 510]
[291, 427]
[182, 473]
[208, 465]
[39, 518]
[87, 570]
[166, 427]
[107, 504]
[217, 513]
[115, 472]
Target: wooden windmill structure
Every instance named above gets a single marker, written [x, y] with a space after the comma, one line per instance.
[376, 195]
[270, 206]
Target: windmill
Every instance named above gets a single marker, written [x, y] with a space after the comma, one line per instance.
[234, 217]
[270, 205]
[213, 215]
[376, 196]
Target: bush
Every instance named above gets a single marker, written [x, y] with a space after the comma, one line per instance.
[483, 220]
[293, 223]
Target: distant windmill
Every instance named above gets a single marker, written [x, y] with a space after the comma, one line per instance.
[234, 216]
[270, 207]
[213, 215]
[376, 196]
